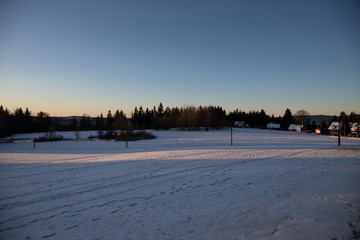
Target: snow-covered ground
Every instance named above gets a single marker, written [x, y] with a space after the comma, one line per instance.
[182, 185]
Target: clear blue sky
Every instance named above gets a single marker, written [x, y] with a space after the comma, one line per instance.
[73, 57]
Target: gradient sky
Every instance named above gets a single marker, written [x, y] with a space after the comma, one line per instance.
[71, 57]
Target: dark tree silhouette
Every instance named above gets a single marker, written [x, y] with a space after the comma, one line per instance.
[99, 124]
[85, 123]
[42, 122]
[5, 126]
[287, 119]
[109, 121]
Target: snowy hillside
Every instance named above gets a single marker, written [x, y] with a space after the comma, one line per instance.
[182, 185]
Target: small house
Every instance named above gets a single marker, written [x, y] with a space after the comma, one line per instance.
[273, 125]
[295, 127]
[334, 128]
[355, 129]
[241, 124]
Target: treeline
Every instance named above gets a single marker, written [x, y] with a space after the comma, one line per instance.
[22, 122]
[185, 117]
[160, 117]
[253, 118]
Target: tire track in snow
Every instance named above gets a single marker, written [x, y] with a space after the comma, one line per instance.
[190, 172]
[76, 170]
[143, 178]
[56, 171]
[100, 186]
[101, 181]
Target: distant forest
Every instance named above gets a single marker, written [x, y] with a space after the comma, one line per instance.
[186, 118]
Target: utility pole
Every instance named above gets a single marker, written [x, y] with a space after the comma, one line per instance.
[127, 137]
[339, 133]
[231, 124]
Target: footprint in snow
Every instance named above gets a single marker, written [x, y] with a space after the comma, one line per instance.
[49, 236]
[72, 227]
[115, 211]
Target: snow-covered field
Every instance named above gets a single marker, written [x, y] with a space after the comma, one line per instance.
[182, 185]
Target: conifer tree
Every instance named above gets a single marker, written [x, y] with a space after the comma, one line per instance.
[135, 117]
[4, 122]
[75, 128]
[344, 119]
[287, 119]
[141, 118]
[99, 124]
[263, 118]
[42, 122]
[353, 117]
[29, 123]
[109, 121]
[85, 123]
[160, 109]
[148, 119]
[120, 121]
[19, 120]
